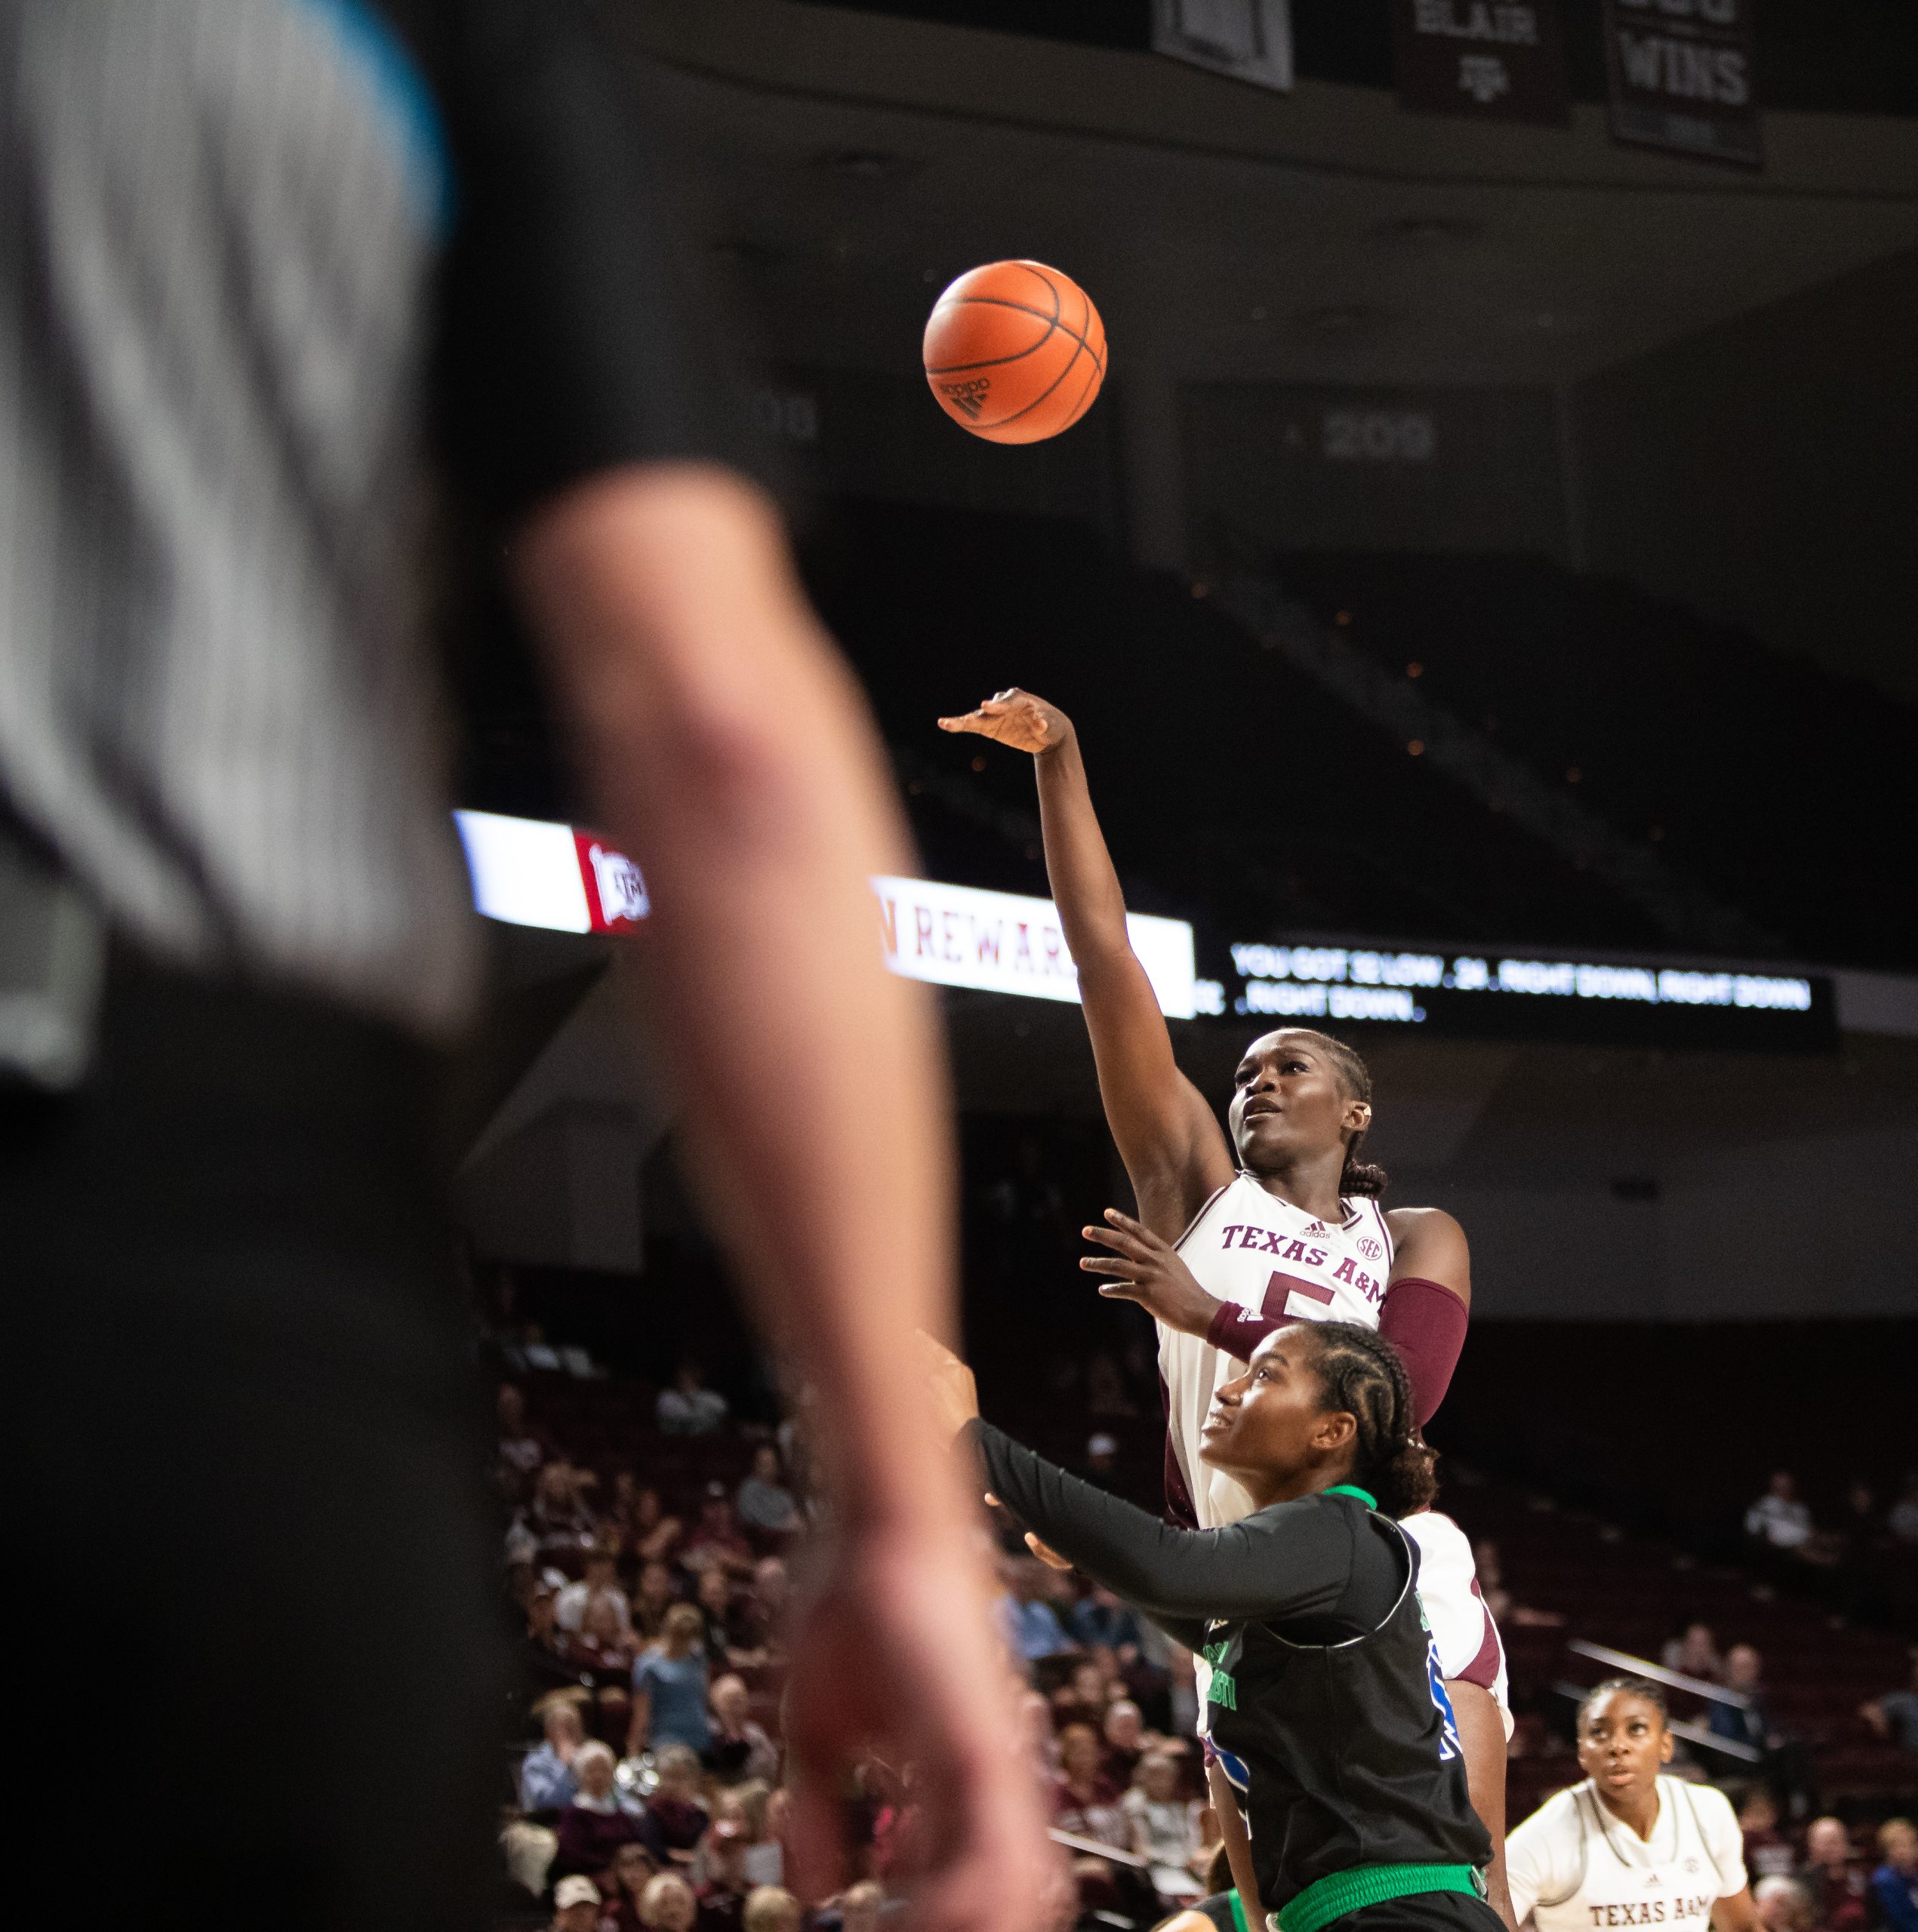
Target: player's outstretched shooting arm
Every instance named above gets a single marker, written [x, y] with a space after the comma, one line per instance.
[1175, 1150]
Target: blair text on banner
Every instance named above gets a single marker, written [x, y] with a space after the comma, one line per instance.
[1485, 60]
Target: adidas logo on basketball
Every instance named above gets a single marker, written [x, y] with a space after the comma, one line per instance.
[969, 396]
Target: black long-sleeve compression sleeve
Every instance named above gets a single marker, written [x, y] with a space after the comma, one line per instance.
[1305, 1558]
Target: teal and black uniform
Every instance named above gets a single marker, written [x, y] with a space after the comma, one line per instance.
[1327, 1708]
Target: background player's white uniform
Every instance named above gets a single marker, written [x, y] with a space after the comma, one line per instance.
[1573, 1866]
[1248, 1246]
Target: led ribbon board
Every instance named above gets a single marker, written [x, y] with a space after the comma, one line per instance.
[1601, 1002]
[1004, 942]
[535, 872]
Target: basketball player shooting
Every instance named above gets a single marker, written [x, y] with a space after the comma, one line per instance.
[1237, 1237]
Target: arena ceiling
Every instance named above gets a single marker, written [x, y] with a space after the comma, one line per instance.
[846, 165]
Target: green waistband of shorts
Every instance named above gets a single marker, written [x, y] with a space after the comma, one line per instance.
[1338, 1893]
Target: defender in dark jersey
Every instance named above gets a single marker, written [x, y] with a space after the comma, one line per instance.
[1327, 1706]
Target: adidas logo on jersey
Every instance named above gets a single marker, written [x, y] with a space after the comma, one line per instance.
[1317, 1228]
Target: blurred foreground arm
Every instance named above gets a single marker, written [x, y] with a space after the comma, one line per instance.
[730, 754]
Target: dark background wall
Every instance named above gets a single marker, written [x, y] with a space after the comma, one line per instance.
[1765, 471]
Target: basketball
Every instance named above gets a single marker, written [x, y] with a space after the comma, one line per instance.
[1015, 351]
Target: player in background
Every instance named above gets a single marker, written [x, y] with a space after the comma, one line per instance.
[1237, 1237]
[1630, 1846]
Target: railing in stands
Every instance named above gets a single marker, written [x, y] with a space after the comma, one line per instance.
[1676, 1680]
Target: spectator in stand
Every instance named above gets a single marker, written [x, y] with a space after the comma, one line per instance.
[547, 1780]
[558, 1516]
[1861, 1528]
[604, 1647]
[1838, 1888]
[1903, 1520]
[1896, 1879]
[1768, 1853]
[669, 1688]
[1694, 1650]
[1084, 1801]
[740, 1750]
[1748, 1724]
[1100, 1621]
[599, 1819]
[764, 1502]
[675, 1820]
[689, 1407]
[1779, 1518]
[655, 1535]
[769, 1909]
[656, 1596]
[1122, 1742]
[722, 1884]
[1101, 1459]
[765, 1855]
[1031, 1624]
[758, 1618]
[602, 1580]
[1499, 1601]
[520, 1447]
[716, 1539]
[1783, 1904]
[544, 1665]
[1165, 1829]
[859, 1907]
[633, 1871]
[576, 1904]
[713, 1597]
[1083, 1697]
[1787, 1764]
[668, 1904]
[1894, 1716]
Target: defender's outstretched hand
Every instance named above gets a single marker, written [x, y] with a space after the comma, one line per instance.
[1147, 1269]
[1016, 717]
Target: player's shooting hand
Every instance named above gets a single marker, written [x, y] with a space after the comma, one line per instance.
[1144, 1269]
[1017, 719]
[951, 1390]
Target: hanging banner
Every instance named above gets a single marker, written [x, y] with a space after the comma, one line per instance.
[1484, 59]
[1251, 40]
[1683, 78]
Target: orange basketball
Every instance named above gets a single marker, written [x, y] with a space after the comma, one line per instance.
[1015, 351]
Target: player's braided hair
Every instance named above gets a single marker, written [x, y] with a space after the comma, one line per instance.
[1358, 1176]
[1360, 1371]
[1633, 1687]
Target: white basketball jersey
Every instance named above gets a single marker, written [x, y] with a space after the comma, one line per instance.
[1574, 1865]
[1248, 1246]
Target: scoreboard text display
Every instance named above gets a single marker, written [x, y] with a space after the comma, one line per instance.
[1526, 997]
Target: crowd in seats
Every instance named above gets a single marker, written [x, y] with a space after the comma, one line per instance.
[651, 1579]
[649, 1571]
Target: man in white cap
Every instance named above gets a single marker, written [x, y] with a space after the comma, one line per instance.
[575, 1905]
